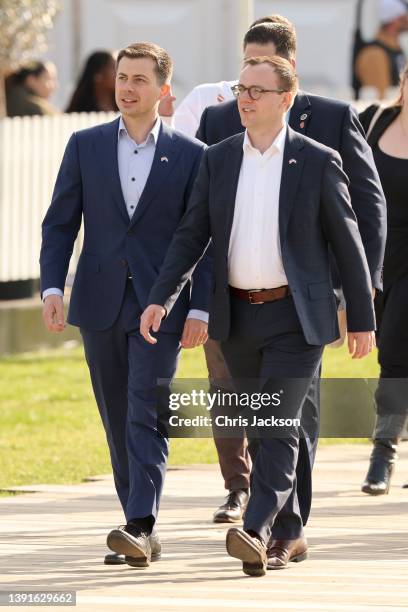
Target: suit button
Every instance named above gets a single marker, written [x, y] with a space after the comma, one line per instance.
[124, 263]
[130, 232]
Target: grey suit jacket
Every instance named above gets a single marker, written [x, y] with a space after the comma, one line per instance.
[315, 216]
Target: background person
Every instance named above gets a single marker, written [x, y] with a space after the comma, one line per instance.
[188, 113]
[388, 136]
[95, 90]
[28, 90]
[379, 63]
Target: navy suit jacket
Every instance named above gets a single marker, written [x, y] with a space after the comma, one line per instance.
[314, 215]
[88, 187]
[336, 125]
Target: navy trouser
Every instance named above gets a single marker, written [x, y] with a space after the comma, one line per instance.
[124, 370]
[267, 344]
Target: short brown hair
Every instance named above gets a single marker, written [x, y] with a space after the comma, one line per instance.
[274, 19]
[163, 61]
[288, 80]
[282, 36]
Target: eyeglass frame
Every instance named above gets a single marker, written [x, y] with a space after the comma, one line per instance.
[236, 92]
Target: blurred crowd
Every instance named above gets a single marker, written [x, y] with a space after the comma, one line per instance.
[29, 89]
[377, 65]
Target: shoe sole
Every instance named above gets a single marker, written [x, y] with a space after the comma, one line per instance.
[296, 559]
[375, 492]
[254, 562]
[121, 544]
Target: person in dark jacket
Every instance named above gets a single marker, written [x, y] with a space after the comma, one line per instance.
[387, 130]
[336, 125]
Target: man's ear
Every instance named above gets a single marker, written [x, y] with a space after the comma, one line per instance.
[287, 99]
[165, 90]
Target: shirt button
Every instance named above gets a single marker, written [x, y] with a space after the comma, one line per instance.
[135, 151]
[133, 178]
[131, 206]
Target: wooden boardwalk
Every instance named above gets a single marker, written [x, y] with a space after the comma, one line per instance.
[54, 539]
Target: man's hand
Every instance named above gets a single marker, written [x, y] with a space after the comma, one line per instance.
[151, 319]
[166, 106]
[53, 313]
[194, 333]
[360, 343]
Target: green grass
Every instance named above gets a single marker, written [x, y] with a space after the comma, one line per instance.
[50, 427]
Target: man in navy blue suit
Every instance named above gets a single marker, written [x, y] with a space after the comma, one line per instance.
[130, 181]
[275, 204]
[336, 125]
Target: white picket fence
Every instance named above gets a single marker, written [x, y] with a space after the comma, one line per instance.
[31, 150]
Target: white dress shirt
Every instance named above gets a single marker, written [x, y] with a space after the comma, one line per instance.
[254, 257]
[187, 116]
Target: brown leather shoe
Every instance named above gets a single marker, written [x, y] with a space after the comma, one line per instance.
[280, 552]
[249, 549]
[233, 509]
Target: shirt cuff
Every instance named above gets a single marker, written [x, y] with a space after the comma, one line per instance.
[52, 291]
[201, 315]
[168, 120]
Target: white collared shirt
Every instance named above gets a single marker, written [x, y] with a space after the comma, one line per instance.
[134, 163]
[187, 115]
[254, 256]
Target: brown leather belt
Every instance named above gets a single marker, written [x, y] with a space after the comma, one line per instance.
[260, 296]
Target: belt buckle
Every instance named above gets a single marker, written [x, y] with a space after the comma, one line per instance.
[250, 296]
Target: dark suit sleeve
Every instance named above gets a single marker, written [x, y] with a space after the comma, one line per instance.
[62, 220]
[367, 197]
[202, 131]
[203, 274]
[188, 245]
[341, 231]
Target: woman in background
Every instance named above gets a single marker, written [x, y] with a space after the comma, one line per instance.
[28, 90]
[95, 90]
[387, 134]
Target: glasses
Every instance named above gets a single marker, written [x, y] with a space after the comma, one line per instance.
[254, 92]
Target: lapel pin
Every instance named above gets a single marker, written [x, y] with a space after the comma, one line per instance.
[162, 159]
[220, 98]
[303, 117]
[292, 161]
[302, 125]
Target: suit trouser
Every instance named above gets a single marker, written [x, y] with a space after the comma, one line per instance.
[124, 370]
[267, 347]
[234, 454]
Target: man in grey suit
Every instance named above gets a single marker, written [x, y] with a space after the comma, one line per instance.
[274, 204]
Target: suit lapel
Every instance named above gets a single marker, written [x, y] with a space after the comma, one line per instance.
[164, 161]
[231, 170]
[300, 113]
[107, 155]
[293, 160]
